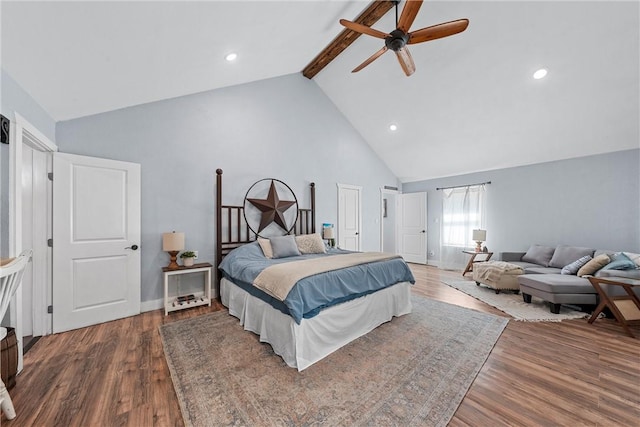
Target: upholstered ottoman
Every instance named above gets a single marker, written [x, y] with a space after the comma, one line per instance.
[497, 275]
[557, 289]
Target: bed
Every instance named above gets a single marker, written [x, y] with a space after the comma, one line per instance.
[305, 305]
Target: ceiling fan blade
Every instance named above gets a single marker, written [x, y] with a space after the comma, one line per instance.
[409, 12]
[370, 59]
[438, 31]
[406, 61]
[359, 28]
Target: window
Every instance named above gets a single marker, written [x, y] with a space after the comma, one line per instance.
[462, 211]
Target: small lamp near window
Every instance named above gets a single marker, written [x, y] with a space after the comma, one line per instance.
[329, 235]
[479, 236]
[173, 243]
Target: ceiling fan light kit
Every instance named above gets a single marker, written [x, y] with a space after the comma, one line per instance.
[398, 39]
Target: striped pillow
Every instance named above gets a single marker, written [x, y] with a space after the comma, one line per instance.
[575, 265]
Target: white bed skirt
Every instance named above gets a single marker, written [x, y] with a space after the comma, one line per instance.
[313, 339]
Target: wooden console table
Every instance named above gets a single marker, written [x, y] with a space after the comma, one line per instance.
[472, 260]
[624, 307]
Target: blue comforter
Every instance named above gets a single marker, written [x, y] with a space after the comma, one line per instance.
[312, 294]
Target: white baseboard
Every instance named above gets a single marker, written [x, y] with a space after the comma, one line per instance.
[151, 305]
[433, 263]
[159, 303]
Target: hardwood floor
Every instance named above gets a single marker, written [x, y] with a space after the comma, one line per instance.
[538, 374]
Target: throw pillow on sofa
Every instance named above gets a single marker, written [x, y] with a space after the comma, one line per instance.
[594, 265]
[575, 265]
[633, 257]
[538, 254]
[564, 255]
[620, 261]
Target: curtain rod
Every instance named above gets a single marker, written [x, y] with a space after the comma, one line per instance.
[460, 186]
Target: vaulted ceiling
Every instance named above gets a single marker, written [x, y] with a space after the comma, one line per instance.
[471, 105]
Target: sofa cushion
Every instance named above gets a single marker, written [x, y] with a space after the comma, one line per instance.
[564, 255]
[523, 265]
[538, 254]
[542, 270]
[629, 274]
[620, 261]
[557, 283]
[594, 265]
[575, 265]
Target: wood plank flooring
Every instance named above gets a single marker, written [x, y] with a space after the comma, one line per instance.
[538, 374]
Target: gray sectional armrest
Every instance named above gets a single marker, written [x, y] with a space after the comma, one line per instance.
[511, 256]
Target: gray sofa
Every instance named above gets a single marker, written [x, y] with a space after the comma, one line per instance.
[544, 279]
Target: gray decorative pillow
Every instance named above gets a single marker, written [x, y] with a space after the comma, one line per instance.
[575, 265]
[564, 255]
[284, 246]
[538, 254]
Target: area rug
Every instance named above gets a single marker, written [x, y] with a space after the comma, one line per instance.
[414, 370]
[513, 305]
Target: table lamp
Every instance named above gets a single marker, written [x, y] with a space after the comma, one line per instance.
[479, 236]
[173, 243]
[328, 234]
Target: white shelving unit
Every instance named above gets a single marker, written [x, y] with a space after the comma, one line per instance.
[172, 303]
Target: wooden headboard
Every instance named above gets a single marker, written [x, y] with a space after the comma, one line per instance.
[238, 232]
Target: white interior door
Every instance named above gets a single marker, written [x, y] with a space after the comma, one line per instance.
[36, 229]
[96, 233]
[413, 227]
[349, 216]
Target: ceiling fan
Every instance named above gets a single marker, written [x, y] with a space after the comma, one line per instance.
[398, 39]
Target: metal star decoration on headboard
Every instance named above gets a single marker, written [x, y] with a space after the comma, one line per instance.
[272, 209]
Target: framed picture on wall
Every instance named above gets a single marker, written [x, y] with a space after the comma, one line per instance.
[4, 123]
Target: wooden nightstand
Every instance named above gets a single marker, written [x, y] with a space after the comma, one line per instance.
[178, 302]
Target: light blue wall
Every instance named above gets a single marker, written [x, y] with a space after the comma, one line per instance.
[283, 128]
[14, 99]
[589, 201]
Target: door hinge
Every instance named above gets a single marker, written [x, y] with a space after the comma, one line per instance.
[50, 176]
[50, 243]
[50, 309]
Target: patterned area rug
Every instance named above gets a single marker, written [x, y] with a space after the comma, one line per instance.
[414, 370]
[512, 304]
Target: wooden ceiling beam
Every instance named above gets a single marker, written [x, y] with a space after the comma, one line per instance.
[376, 10]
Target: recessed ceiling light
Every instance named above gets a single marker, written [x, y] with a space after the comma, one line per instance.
[541, 73]
[393, 127]
[231, 56]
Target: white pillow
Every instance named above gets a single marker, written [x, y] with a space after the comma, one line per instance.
[310, 244]
[265, 245]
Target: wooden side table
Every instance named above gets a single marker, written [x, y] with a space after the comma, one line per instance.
[625, 307]
[176, 303]
[472, 260]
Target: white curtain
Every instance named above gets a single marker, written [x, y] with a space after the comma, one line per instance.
[463, 210]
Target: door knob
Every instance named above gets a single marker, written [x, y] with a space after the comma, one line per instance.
[423, 231]
[132, 247]
[356, 233]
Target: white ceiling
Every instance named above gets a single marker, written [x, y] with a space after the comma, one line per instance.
[471, 105]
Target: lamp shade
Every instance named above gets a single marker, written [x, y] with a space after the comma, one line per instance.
[172, 241]
[479, 235]
[328, 233]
